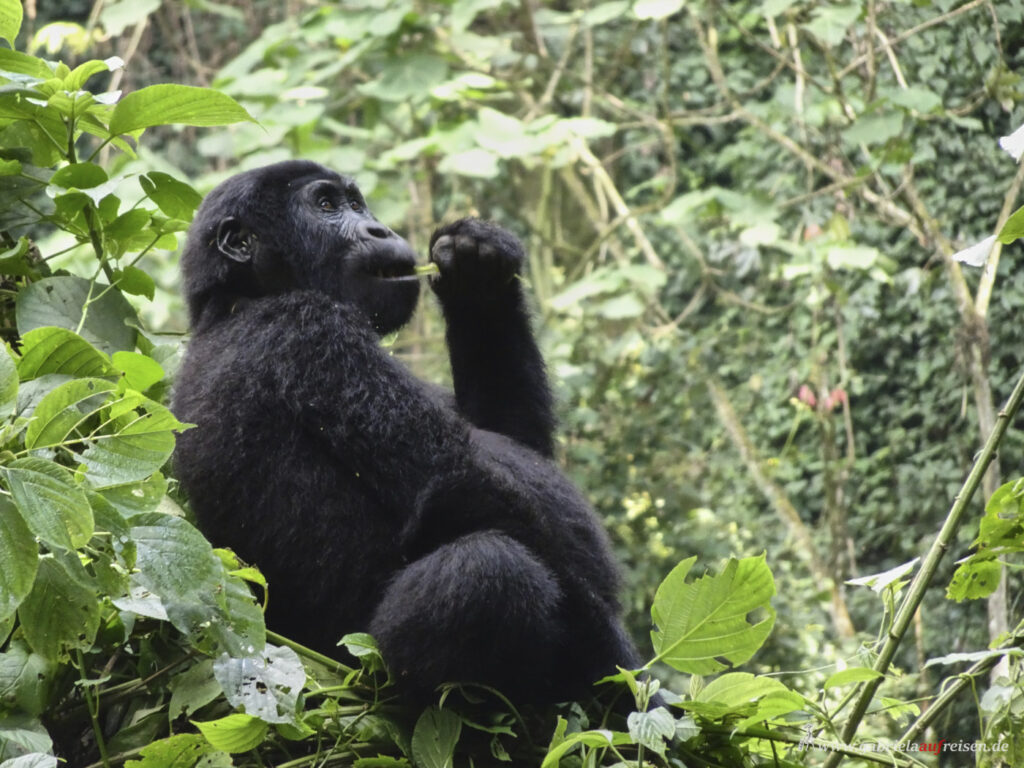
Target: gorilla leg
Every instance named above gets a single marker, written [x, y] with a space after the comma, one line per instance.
[481, 608]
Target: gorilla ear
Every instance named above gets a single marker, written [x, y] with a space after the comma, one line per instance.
[235, 241]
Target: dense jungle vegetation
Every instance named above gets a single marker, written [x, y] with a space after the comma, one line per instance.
[773, 257]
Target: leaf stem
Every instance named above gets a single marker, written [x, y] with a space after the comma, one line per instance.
[93, 706]
[929, 565]
[309, 653]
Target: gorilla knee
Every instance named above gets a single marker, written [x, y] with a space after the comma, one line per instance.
[481, 608]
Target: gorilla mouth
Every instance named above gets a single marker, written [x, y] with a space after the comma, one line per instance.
[392, 271]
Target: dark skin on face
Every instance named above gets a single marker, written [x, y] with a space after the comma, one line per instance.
[371, 500]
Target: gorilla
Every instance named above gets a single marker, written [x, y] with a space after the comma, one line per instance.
[371, 500]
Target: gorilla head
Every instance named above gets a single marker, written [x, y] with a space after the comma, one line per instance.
[295, 225]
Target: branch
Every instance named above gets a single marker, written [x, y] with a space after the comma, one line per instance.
[930, 564]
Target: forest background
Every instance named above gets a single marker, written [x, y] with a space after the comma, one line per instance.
[743, 220]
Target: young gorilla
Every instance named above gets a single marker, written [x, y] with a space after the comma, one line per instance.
[371, 500]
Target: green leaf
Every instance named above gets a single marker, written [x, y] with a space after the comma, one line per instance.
[79, 176]
[10, 20]
[407, 77]
[474, 163]
[874, 129]
[25, 679]
[19, 558]
[54, 507]
[976, 578]
[118, 16]
[31, 760]
[597, 738]
[142, 372]
[8, 383]
[851, 675]
[266, 685]
[1013, 229]
[175, 198]
[177, 564]
[234, 733]
[652, 729]
[192, 689]
[657, 9]
[58, 301]
[63, 410]
[830, 22]
[59, 612]
[58, 350]
[705, 621]
[180, 751]
[434, 738]
[135, 282]
[175, 105]
[135, 444]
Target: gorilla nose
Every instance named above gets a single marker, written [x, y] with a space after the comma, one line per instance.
[375, 230]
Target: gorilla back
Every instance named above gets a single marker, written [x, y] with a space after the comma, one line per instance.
[371, 500]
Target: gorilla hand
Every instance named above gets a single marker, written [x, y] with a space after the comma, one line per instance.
[478, 262]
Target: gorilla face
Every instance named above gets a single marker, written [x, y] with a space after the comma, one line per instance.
[296, 226]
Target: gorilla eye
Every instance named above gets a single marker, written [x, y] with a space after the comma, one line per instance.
[325, 204]
[355, 206]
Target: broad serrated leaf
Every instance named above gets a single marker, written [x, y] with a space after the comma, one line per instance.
[434, 738]
[266, 685]
[58, 350]
[234, 733]
[595, 738]
[19, 558]
[53, 506]
[707, 620]
[59, 613]
[168, 104]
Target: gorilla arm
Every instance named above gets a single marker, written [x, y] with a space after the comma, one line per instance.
[499, 376]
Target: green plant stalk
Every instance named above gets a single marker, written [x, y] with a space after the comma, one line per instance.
[309, 653]
[962, 681]
[835, 748]
[915, 594]
[94, 714]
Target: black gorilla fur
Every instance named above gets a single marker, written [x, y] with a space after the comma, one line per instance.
[371, 500]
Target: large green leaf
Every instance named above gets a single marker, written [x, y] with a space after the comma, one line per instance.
[54, 507]
[175, 104]
[234, 733]
[63, 410]
[434, 738]
[266, 685]
[59, 300]
[19, 558]
[58, 350]
[175, 198]
[177, 564]
[706, 620]
[60, 612]
[25, 679]
[134, 445]
[10, 19]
